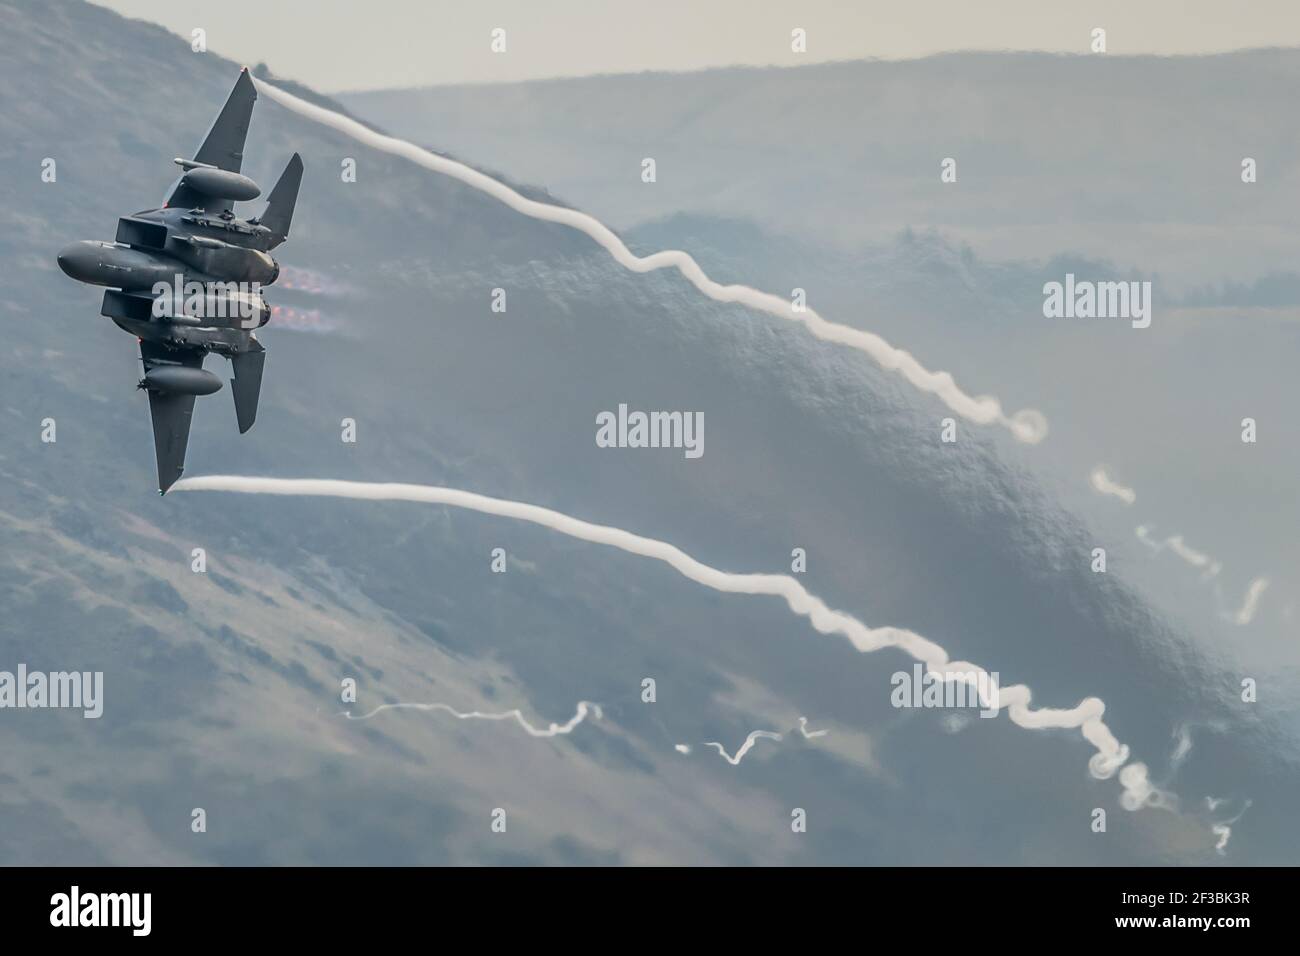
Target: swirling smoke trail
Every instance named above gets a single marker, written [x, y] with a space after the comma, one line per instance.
[752, 739]
[1086, 716]
[585, 707]
[1027, 425]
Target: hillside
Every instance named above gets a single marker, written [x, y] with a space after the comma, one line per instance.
[222, 688]
[1136, 159]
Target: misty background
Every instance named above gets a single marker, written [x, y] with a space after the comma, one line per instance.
[341, 46]
[222, 689]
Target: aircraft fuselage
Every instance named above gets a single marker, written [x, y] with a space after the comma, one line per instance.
[186, 279]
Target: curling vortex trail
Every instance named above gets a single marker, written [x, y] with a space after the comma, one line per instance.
[585, 707]
[1027, 425]
[1086, 716]
[752, 739]
[1103, 484]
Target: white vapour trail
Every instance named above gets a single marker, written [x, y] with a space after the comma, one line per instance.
[1250, 604]
[1103, 484]
[1027, 425]
[810, 734]
[1179, 547]
[1224, 833]
[1253, 592]
[1182, 747]
[1210, 568]
[585, 707]
[1183, 741]
[753, 738]
[1223, 828]
[1086, 716]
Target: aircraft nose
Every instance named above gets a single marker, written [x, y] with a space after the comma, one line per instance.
[77, 260]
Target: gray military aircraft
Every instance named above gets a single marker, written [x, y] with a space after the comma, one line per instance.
[186, 279]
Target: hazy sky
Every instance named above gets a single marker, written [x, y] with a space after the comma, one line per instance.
[339, 45]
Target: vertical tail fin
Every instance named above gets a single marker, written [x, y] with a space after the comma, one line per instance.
[279, 205]
[223, 147]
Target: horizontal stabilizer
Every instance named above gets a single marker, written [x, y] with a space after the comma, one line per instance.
[247, 384]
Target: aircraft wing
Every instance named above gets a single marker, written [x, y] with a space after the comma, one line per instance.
[171, 412]
[223, 147]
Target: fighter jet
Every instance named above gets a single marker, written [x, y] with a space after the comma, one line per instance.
[186, 280]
